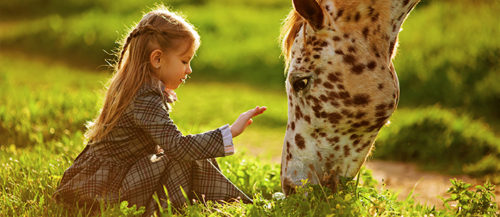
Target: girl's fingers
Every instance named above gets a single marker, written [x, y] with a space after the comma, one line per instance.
[250, 121]
[258, 111]
[245, 119]
[252, 113]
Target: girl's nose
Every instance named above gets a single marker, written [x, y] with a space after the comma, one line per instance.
[188, 70]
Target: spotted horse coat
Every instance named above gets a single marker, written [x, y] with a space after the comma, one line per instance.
[341, 85]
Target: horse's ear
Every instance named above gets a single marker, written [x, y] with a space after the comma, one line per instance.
[311, 11]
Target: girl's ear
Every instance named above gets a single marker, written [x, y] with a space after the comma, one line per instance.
[155, 58]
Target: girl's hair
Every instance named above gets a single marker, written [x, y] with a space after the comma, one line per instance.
[158, 29]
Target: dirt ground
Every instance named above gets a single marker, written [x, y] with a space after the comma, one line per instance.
[429, 186]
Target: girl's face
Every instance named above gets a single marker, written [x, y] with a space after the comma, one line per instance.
[174, 66]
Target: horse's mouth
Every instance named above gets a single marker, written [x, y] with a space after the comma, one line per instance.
[332, 181]
[288, 187]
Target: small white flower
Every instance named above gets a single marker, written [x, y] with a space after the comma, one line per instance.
[278, 196]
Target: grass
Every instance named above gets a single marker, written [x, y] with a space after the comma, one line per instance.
[27, 186]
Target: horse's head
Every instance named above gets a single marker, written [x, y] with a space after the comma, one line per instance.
[341, 85]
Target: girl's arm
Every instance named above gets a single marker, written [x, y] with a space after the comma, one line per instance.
[151, 116]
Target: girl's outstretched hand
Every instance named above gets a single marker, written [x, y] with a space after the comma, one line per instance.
[245, 119]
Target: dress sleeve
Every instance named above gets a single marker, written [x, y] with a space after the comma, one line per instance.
[228, 139]
[151, 116]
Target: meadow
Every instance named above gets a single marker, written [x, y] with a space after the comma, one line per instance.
[53, 73]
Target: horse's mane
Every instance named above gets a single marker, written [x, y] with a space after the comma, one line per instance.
[289, 30]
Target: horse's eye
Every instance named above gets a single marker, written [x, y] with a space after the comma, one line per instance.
[300, 83]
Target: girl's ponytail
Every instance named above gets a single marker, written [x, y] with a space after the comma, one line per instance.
[124, 49]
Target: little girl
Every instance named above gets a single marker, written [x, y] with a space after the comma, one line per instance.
[134, 149]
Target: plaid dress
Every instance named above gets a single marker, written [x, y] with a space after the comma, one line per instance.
[127, 165]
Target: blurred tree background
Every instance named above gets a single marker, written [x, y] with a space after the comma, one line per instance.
[448, 66]
[448, 55]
